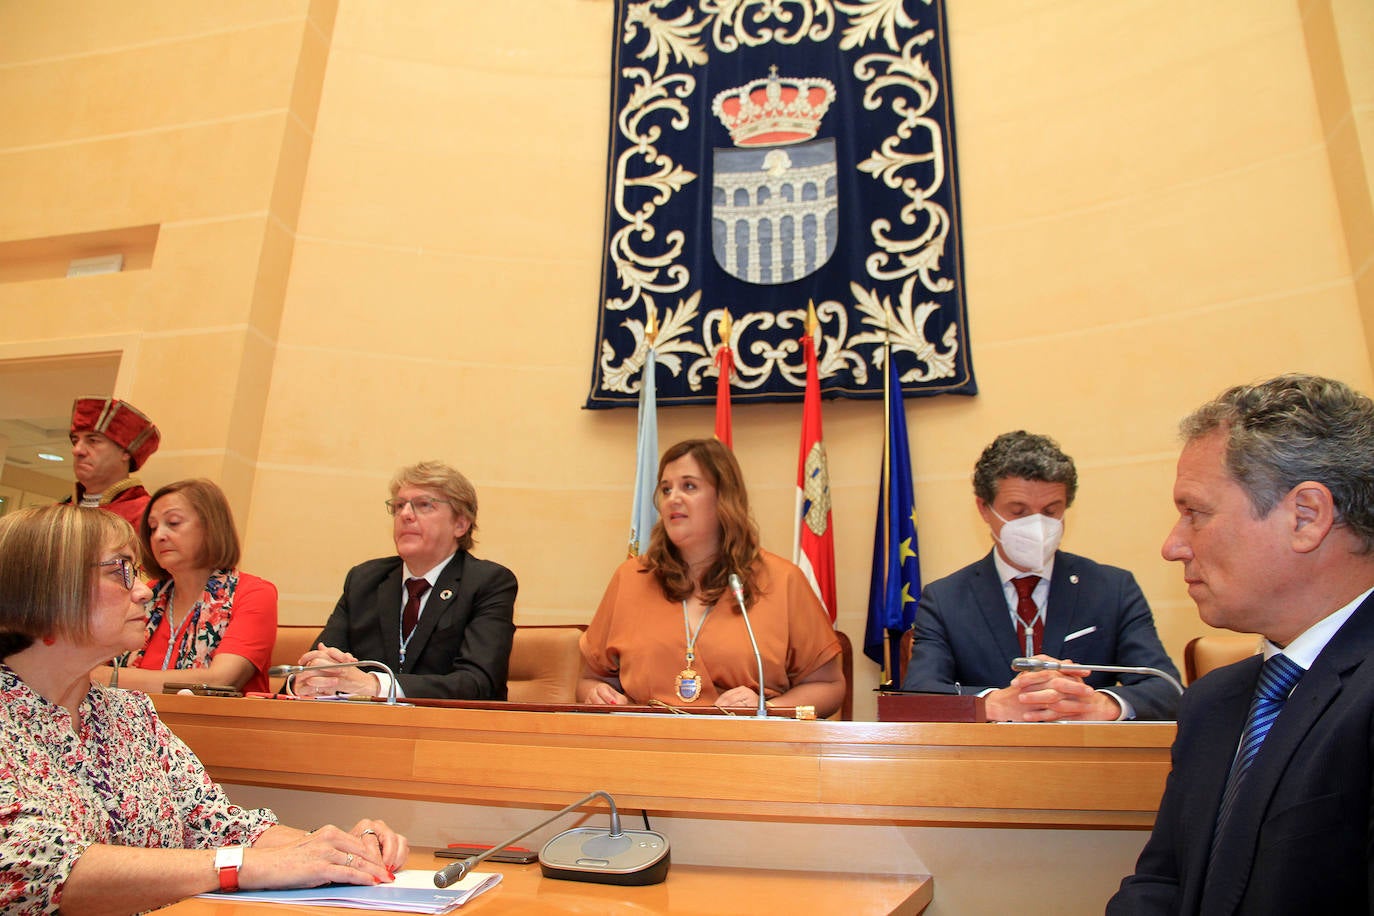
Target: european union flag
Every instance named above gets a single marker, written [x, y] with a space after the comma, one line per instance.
[896, 583]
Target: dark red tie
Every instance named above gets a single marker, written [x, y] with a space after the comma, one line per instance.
[411, 614]
[1028, 612]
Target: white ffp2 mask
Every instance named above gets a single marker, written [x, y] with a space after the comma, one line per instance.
[1030, 541]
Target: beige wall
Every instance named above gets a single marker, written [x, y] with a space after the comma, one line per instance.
[379, 243]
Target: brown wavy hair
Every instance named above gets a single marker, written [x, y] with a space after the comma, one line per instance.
[219, 548]
[739, 534]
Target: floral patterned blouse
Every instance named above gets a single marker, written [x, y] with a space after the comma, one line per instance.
[120, 777]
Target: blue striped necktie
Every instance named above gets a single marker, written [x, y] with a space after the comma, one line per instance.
[1277, 679]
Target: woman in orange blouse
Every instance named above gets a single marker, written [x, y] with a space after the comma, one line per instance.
[669, 629]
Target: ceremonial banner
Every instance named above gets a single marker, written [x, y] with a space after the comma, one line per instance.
[764, 153]
[813, 538]
[895, 585]
[725, 371]
[643, 512]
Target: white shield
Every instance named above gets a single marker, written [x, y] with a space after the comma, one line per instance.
[774, 211]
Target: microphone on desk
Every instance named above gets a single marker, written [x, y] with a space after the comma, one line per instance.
[1040, 664]
[594, 854]
[738, 588]
[290, 672]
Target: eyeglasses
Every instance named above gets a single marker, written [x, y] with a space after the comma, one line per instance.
[420, 505]
[129, 571]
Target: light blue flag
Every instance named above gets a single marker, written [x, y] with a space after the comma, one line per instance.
[643, 515]
[895, 586]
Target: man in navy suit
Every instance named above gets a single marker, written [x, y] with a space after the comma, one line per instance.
[1028, 598]
[442, 619]
[1275, 494]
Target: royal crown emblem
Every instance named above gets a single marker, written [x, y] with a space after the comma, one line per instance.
[774, 111]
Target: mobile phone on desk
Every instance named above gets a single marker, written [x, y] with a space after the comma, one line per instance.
[516, 854]
[204, 690]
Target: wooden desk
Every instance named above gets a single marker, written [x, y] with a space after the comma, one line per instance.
[689, 890]
[983, 774]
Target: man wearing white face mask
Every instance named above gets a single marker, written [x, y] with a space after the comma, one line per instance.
[1028, 598]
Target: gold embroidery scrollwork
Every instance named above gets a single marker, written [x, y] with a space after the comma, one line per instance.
[915, 90]
[757, 359]
[904, 328]
[671, 343]
[868, 17]
[740, 22]
[641, 272]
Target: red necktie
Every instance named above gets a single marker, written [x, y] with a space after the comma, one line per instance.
[1028, 612]
[411, 614]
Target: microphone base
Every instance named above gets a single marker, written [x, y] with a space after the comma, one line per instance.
[591, 854]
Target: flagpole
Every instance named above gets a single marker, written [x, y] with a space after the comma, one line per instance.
[885, 491]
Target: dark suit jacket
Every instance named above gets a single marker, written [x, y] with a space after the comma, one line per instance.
[964, 635]
[460, 649]
[1299, 838]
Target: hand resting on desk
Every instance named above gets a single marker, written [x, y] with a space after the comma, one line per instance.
[336, 680]
[1047, 696]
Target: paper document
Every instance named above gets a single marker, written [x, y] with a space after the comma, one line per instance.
[412, 892]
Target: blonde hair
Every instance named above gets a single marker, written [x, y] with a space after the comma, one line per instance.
[456, 489]
[48, 571]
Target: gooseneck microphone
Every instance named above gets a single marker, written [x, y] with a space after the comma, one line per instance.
[290, 672]
[738, 588]
[1039, 664]
[630, 857]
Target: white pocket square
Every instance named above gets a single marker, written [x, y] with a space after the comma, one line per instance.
[1077, 633]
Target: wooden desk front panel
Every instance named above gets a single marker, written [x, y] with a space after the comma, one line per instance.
[1044, 775]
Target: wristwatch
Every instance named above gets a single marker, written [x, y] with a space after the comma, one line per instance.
[228, 861]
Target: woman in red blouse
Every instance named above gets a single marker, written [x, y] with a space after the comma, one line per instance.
[208, 621]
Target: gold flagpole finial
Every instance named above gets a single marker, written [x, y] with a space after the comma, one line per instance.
[724, 327]
[651, 326]
[812, 322]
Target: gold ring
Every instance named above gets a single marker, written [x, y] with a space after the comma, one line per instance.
[367, 831]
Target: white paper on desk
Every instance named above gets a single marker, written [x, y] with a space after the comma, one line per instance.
[413, 891]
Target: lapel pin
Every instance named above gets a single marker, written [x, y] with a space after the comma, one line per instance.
[448, 592]
[1073, 579]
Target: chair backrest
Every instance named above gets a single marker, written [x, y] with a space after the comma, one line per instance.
[847, 664]
[545, 662]
[292, 642]
[1204, 653]
[904, 656]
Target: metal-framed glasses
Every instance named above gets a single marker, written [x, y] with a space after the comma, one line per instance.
[129, 571]
[420, 505]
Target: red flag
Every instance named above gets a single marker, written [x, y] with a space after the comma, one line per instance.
[814, 544]
[725, 367]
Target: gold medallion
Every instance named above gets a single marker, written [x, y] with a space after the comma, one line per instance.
[688, 684]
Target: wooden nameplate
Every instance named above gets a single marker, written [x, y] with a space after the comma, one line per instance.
[930, 707]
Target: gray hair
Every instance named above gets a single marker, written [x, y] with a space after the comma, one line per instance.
[1293, 428]
[1025, 455]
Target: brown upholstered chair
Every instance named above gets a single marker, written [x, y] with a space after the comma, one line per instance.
[292, 642]
[1204, 653]
[846, 665]
[545, 662]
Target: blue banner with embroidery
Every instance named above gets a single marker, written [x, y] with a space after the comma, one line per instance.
[768, 153]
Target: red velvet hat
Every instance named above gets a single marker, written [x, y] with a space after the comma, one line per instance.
[120, 422]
